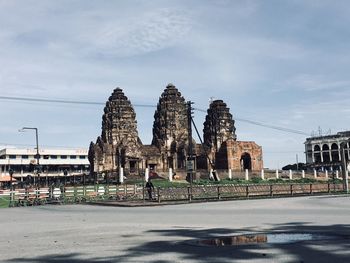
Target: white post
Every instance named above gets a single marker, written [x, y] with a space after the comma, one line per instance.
[146, 174]
[337, 174]
[262, 174]
[327, 174]
[303, 174]
[121, 175]
[315, 173]
[230, 174]
[170, 174]
[277, 175]
[211, 176]
[290, 175]
[347, 181]
[246, 174]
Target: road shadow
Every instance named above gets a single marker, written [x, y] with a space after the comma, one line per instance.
[186, 248]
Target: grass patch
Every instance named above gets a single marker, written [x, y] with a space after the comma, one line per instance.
[4, 202]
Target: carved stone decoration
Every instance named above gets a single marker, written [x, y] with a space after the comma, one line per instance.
[119, 144]
[220, 140]
[219, 125]
[170, 131]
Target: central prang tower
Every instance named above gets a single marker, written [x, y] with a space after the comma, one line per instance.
[170, 133]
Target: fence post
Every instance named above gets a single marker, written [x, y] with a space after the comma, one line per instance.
[310, 189]
[262, 174]
[189, 193]
[271, 190]
[337, 174]
[315, 174]
[277, 175]
[247, 191]
[230, 174]
[303, 174]
[290, 175]
[291, 189]
[246, 174]
[75, 193]
[329, 187]
[219, 197]
[51, 192]
[158, 193]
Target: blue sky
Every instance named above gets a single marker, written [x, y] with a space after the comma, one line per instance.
[283, 63]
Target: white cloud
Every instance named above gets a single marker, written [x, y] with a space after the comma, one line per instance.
[314, 83]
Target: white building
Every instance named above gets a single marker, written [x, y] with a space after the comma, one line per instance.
[53, 162]
[328, 152]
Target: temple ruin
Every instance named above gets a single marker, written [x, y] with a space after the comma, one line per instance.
[119, 145]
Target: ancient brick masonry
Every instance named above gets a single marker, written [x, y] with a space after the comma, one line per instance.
[170, 133]
[119, 145]
[220, 142]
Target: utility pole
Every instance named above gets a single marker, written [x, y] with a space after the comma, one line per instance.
[37, 156]
[190, 159]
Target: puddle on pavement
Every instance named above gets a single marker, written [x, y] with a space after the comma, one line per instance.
[277, 238]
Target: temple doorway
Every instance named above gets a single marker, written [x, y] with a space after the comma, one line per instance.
[246, 161]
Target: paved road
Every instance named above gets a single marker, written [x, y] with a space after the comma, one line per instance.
[82, 233]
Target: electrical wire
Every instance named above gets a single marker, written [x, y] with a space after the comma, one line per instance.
[44, 100]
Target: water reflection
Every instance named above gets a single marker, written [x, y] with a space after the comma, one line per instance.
[278, 238]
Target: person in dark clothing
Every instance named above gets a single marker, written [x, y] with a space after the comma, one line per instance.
[150, 188]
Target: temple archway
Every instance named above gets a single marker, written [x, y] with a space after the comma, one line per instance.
[246, 161]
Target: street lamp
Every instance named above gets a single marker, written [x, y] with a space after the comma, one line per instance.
[37, 156]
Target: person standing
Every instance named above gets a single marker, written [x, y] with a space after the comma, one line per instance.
[150, 188]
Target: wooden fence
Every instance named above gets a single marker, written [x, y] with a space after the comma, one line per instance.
[77, 194]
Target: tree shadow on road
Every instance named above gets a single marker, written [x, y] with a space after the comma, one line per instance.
[180, 243]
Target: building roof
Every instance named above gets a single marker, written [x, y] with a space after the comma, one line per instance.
[340, 135]
[43, 151]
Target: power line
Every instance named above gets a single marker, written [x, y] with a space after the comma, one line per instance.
[64, 101]
[265, 125]
[44, 100]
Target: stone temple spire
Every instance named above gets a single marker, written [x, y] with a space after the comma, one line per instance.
[119, 145]
[119, 124]
[170, 133]
[219, 125]
[170, 119]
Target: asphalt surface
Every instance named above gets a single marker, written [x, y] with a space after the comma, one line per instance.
[86, 233]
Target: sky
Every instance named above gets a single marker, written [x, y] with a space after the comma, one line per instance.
[282, 63]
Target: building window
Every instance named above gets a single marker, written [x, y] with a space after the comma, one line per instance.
[63, 156]
[12, 156]
[82, 156]
[53, 156]
[73, 157]
[25, 156]
[46, 157]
